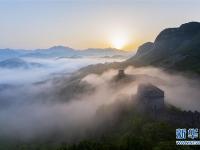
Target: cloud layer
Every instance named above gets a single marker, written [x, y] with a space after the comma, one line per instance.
[35, 111]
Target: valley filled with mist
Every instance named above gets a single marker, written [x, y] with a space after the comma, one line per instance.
[60, 98]
[99, 75]
[38, 89]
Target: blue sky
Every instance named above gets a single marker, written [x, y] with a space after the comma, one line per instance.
[81, 24]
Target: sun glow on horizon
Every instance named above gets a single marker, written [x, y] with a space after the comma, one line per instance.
[122, 38]
[119, 42]
[119, 39]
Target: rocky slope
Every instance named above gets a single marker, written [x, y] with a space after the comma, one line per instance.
[174, 48]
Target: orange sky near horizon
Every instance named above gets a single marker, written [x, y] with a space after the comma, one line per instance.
[82, 24]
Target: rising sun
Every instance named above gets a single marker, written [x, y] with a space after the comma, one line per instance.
[118, 43]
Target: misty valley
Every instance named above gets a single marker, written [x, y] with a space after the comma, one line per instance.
[95, 99]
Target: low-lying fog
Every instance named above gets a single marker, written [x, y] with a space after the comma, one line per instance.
[24, 115]
[50, 68]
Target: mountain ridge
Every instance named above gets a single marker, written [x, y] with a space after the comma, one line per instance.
[14, 63]
[60, 51]
[185, 57]
[175, 48]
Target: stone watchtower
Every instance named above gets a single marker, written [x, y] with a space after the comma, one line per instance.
[121, 74]
[150, 98]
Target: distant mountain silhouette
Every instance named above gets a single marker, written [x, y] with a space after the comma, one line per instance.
[9, 53]
[56, 51]
[60, 51]
[174, 48]
[18, 63]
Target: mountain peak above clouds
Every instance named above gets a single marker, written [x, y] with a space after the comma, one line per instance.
[60, 47]
[17, 63]
[175, 48]
[61, 51]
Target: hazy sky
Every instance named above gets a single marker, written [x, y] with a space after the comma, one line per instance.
[81, 24]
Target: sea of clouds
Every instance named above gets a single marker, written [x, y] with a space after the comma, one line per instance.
[51, 67]
[24, 115]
